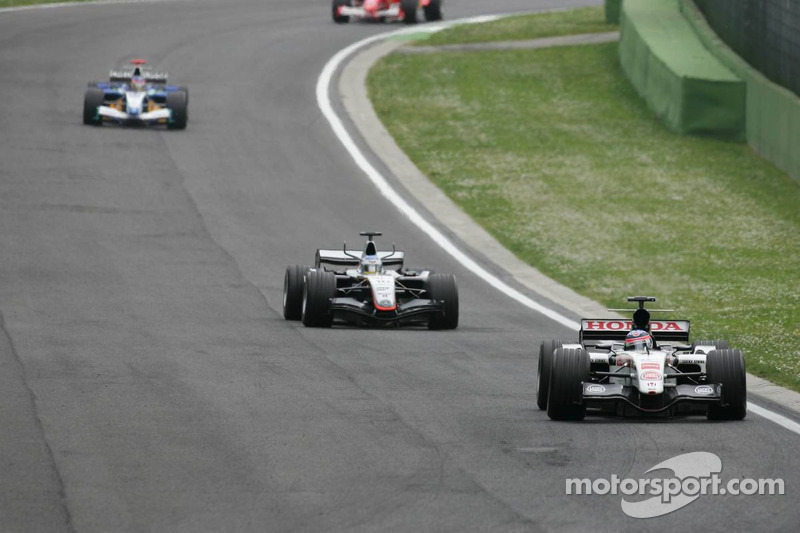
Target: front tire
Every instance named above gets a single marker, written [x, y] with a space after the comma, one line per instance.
[337, 18]
[293, 283]
[433, 11]
[318, 290]
[92, 99]
[443, 287]
[185, 90]
[546, 349]
[727, 368]
[570, 369]
[409, 8]
[177, 103]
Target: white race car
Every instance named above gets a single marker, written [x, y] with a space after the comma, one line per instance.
[640, 367]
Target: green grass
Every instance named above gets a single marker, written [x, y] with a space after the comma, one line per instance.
[551, 24]
[556, 156]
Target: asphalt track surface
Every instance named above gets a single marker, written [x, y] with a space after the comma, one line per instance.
[149, 381]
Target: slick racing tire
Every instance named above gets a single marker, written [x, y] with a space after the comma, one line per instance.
[318, 290]
[726, 367]
[293, 283]
[433, 11]
[185, 90]
[337, 18]
[93, 99]
[409, 8]
[570, 369]
[719, 345]
[177, 102]
[546, 350]
[443, 287]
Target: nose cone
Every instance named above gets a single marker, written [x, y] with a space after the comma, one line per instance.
[371, 6]
[651, 376]
[134, 103]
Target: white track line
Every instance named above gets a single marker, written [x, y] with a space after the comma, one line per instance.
[323, 100]
[772, 416]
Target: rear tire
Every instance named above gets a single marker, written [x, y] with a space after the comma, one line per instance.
[340, 19]
[318, 290]
[409, 8]
[546, 349]
[433, 11]
[727, 368]
[177, 102]
[293, 283]
[92, 99]
[443, 287]
[570, 369]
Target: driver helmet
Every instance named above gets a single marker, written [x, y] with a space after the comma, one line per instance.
[371, 264]
[638, 339]
[138, 83]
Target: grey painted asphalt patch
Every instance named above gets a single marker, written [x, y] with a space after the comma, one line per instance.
[353, 91]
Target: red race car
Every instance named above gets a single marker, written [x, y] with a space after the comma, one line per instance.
[386, 10]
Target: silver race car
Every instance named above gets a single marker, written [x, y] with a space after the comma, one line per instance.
[368, 287]
[136, 96]
[640, 367]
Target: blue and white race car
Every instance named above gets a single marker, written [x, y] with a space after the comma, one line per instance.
[136, 97]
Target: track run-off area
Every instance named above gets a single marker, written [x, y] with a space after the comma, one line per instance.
[150, 382]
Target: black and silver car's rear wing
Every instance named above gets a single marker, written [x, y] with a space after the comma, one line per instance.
[596, 329]
[389, 258]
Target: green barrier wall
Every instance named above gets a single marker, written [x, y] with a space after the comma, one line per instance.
[681, 81]
[773, 112]
[765, 33]
[612, 11]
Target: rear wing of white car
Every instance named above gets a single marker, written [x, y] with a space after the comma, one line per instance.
[597, 329]
[353, 258]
